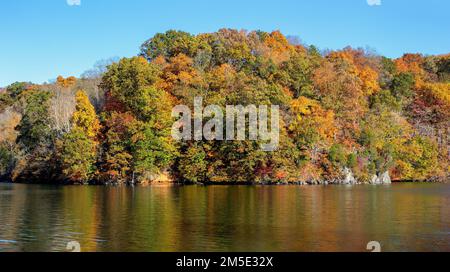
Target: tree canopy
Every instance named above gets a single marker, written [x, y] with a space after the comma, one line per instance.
[344, 110]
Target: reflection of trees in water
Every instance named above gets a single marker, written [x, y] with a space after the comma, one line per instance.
[224, 218]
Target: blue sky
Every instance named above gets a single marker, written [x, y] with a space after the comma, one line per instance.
[43, 39]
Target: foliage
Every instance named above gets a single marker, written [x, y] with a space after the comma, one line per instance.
[312, 125]
[340, 109]
[66, 82]
[84, 118]
[169, 44]
[78, 155]
[34, 128]
[78, 148]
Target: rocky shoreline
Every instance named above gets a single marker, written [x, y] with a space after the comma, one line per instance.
[348, 178]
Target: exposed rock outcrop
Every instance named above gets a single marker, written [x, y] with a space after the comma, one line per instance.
[349, 178]
[382, 179]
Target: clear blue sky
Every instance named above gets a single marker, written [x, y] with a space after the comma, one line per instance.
[43, 39]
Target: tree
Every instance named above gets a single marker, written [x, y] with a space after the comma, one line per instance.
[417, 159]
[312, 126]
[431, 105]
[78, 148]
[12, 93]
[116, 162]
[9, 119]
[100, 67]
[84, 118]
[169, 44]
[36, 139]
[5, 162]
[62, 106]
[152, 150]
[142, 147]
[384, 100]
[35, 126]
[402, 86]
[193, 164]
[443, 65]
[77, 156]
[339, 89]
[382, 133]
[66, 82]
[411, 63]
[15, 89]
[128, 82]
[297, 75]
[178, 74]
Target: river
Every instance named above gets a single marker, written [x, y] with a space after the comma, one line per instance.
[401, 217]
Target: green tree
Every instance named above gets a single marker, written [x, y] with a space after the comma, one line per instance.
[402, 85]
[128, 81]
[35, 139]
[169, 44]
[151, 151]
[34, 128]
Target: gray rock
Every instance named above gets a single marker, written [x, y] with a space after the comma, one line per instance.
[383, 179]
[374, 180]
[348, 177]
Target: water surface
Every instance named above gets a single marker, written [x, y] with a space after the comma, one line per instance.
[402, 217]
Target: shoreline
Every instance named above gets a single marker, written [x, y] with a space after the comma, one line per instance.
[174, 184]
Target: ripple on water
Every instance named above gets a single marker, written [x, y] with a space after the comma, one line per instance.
[7, 242]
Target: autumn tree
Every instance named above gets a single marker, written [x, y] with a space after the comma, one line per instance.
[78, 148]
[116, 162]
[66, 82]
[9, 119]
[339, 89]
[346, 111]
[141, 148]
[312, 126]
[416, 159]
[383, 132]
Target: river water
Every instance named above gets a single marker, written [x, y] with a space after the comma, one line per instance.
[401, 217]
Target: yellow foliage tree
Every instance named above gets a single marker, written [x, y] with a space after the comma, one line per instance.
[78, 148]
[84, 117]
[312, 125]
[369, 79]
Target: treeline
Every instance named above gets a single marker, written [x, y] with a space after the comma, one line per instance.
[348, 112]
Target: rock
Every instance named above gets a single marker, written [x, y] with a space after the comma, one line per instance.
[161, 178]
[385, 178]
[348, 177]
[375, 180]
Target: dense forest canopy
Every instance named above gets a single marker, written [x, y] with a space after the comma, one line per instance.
[346, 111]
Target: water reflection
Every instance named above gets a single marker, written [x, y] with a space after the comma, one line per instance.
[402, 217]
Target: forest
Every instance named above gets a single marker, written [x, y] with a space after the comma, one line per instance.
[347, 116]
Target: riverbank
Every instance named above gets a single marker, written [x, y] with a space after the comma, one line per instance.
[170, 184]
